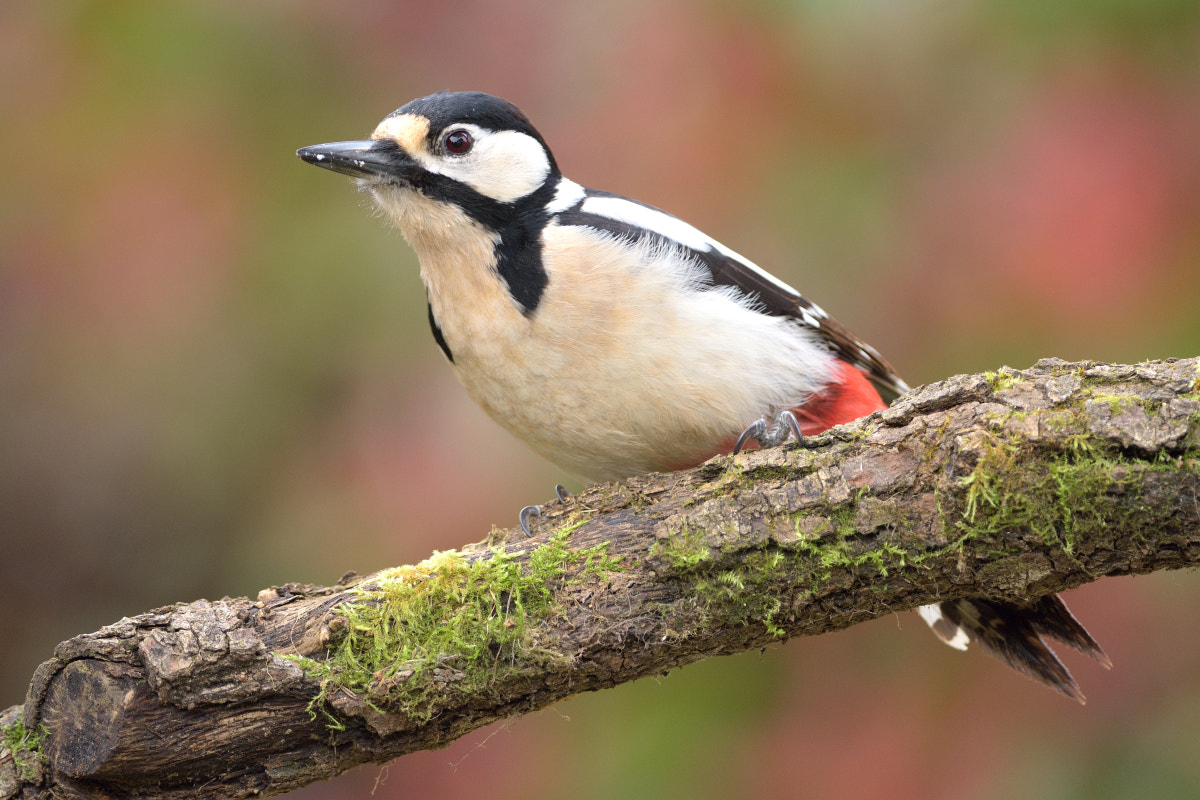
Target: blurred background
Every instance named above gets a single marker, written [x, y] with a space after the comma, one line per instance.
[216, 372]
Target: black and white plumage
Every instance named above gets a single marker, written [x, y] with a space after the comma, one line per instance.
[616, 339]
[1017, 635]
[603, 332]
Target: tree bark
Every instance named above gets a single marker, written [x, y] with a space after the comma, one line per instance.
[1010, 485]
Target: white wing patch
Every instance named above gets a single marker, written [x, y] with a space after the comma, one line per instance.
[675, 229]
[566, 194]
[622, 210]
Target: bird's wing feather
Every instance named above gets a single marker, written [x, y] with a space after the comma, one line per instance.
[630, 219]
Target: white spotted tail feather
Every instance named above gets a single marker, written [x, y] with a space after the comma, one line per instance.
[1017, 635]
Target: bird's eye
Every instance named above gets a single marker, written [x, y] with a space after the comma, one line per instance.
[458, 143]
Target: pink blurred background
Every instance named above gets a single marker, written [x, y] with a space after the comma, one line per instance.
[216, 373]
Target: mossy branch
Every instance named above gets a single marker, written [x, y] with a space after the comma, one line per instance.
[1010, 485]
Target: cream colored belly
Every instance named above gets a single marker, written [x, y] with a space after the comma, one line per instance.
[621, 371]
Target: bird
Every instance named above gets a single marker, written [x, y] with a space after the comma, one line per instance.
[616, 339]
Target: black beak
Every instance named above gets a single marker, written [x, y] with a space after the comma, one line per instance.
[366, 159]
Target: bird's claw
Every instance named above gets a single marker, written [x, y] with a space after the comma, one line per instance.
[526, 514]
[529, 512]
[783, 426]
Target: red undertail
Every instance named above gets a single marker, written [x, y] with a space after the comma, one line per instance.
[849, 397]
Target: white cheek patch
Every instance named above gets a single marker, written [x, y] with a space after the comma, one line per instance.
[622, 210]
[503, 165]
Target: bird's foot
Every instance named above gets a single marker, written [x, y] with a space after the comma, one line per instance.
[529, 512]
[770, 435]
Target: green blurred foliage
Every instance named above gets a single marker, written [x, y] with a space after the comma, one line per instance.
[216, 375]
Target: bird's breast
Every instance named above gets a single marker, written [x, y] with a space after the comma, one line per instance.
[627, 365]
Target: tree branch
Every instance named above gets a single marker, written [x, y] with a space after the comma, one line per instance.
[1009, 485]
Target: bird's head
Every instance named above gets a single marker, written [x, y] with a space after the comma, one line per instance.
[445, 153]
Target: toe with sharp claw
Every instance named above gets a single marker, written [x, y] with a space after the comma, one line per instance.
[527, 513]
[782, 426]
[755, 431]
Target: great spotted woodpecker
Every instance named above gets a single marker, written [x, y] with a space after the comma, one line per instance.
[616, 339]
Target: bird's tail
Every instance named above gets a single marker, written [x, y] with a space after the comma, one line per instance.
[1017, 635]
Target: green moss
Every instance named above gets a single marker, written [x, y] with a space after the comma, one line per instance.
[746, 595]
[548, 562]
[685, 550]
[846, 550]
[1006, 378]
[450, 625]
[766, 581]
[1063, 498]
[1119, 403]
[25, 747]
